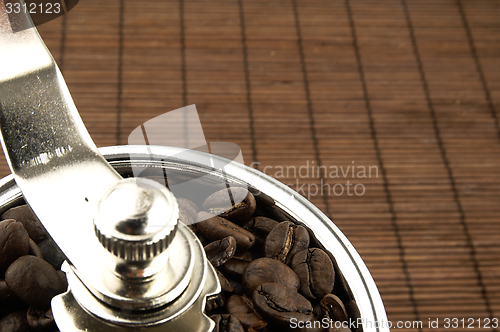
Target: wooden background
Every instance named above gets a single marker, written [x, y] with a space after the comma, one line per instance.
[409, 86]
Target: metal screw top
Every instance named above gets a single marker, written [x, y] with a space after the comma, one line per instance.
[136, 219]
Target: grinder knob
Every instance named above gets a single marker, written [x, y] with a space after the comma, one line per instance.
[136, 219]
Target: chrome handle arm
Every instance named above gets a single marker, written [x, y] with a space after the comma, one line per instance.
[63, 177]
[52, 156]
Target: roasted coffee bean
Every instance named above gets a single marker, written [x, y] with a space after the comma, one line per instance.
[224, 283]
[215, 228]
[272, 212]
[24, 215]
[280, 305]
[4, 311]
[34, 281]
[333, 308]
[220, 251]
[14, 242]
[265, 270]
[51, 253]
[236, 266]
[8, 297]
[195, 230]
[315, 271]
[261, 211]
[313, 325]
[337, 329]
[317, 311]
[35, 250]
[41, 320]
[352, 309]
[235, 204]
[215, 304]
[285, 240]
[261, 199]
[204, 241]
[187, 211]
[267, 328]
[15, 322]
[226, 323]
[64, 279]
[238, 288]
[260, 227]
[274, 234]
[242, 307]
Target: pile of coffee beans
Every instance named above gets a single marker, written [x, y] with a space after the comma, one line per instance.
[274, 275]
[30, 274]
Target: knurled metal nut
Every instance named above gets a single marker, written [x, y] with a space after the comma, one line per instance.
[133, 251]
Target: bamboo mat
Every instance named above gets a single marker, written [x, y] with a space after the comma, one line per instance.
[409, 89]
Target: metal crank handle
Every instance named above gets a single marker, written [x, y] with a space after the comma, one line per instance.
[117, 256]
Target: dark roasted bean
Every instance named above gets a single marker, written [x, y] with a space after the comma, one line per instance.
[313, 325]
[333, 308]
[275, 235]
[204, 241]
[226, 323]
[51, 253]
[215, 304]
[281, 305]
[234, 268]
[35, 250]
[236, 265]
[15, 322]
[352, 309]
[275, 213]
[41, 320]
[337, 329]
[4, 311]
[216, 228]
[260, 227]
[260, 198]
[7, 297]
[34, 281]
[64, 279]
[315, 271]
[260, 211]
[242, 307]
[224, 283]
[267, 328]
[14, 242]
[285, 240]
[220, 251]
[235, 204]
[265, 270]
[237, 287]
[24, 215]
